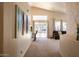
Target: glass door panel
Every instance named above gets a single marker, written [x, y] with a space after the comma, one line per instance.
[41, 27]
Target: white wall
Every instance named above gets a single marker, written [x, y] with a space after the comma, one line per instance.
[69, 46]
[12, 46]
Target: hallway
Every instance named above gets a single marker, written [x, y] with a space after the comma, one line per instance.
[44, 47]
[20, 21]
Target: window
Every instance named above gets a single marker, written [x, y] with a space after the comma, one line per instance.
[41, 27]
[60, 26]
[57, 25]
[39, 17]
[64, 26]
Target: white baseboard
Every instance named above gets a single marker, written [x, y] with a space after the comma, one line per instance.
[61, 54]
[25, 50]
[4, 55]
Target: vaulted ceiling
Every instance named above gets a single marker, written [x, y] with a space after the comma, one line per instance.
[52, 6]
[63, 7]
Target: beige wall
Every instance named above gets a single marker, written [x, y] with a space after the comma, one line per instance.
[69, 46]
[12, 46]
[51, 16]
[1, 28]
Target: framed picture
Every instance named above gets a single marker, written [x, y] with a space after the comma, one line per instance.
[19, 21]
[27, 24]
[23, 25]
[78, 32]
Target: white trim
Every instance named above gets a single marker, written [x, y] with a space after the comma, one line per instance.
[26, 49]
[61, 54]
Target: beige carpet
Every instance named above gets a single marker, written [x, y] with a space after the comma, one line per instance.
[44, 47]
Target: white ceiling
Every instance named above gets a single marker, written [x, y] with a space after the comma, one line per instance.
[52, 6]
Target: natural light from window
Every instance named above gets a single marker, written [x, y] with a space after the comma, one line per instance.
[39, 17]
[57, 25]
[64, 26]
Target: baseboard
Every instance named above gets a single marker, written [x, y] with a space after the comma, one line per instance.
[25, 50]
[61, 54]
[4, 55]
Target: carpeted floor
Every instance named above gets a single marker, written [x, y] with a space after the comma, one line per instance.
[44, 47]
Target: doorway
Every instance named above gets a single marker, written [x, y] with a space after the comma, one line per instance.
[41, 27]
